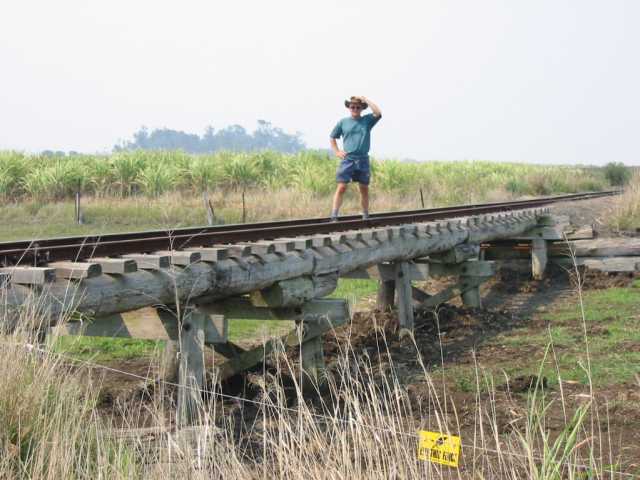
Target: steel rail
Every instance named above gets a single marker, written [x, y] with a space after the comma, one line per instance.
[76, 248]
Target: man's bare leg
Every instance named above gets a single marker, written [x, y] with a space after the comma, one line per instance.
[364, 200]
[337, 199]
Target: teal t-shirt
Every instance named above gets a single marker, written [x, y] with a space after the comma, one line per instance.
[356, 134]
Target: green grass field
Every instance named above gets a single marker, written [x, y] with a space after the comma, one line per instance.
[141, 190]
[612, 326]
[153, 173]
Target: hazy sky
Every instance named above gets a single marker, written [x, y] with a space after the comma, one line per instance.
[536, 81]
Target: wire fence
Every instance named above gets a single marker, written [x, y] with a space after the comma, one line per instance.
[36, 349]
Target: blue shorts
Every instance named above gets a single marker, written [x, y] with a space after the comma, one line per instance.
[354, 169]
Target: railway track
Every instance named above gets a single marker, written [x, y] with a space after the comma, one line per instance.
[35, 252]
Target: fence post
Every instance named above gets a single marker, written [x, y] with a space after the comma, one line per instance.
[244, 208]
[191, 370]
[78, 213]
[208, 206]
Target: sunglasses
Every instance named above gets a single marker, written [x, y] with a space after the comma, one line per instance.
[355, 107]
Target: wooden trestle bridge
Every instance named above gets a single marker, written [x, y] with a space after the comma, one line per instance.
[187, 285]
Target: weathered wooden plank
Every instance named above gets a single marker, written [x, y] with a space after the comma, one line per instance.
[386, 271]
[239, 251]
[210, 254]
[405, 305]
[181, 258]
[457, 254]
[294, 292]
[599, 247]
[424, 229]
[553, 220]
[301, 243]
[538, 258]
[4, 280]
[150, 262]
[478, 268]
[367, 236]
[241, 308]
[146, 323]
[310, 330]
[191, 379]
[321, 241]
[116, 266]
[582, 233]
[419, 295]
[339, 238]
[29, 275]
[386, 294]
[341, 248]
[76, 270]
[353, 238]
[545, 233]
[602, 264]
[612, 264]
[229, 349]
[286, 293]
[471, 297]
[394, 232]
[381, 235]
[283, 246]
[106, 294]
[312, 364]
[464, 285]
[261, 248]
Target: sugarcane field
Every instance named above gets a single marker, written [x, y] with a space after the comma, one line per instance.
[439, 279]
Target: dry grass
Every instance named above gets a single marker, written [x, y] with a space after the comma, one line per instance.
[174, 210]
[626, 215]
[49, 428]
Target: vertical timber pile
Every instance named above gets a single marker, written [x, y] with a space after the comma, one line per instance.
[386, 294]
[405, 301]
[191, 371]
[312, 364]
[547, 230]
[538, 258]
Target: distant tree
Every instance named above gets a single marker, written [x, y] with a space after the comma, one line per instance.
[617, 173]
[209, 141]
[53, 153]
[233, 137]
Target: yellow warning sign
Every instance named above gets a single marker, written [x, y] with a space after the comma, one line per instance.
[439, 448]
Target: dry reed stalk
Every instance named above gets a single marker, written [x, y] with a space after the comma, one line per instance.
[49, 426]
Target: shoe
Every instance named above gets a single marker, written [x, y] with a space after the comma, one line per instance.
[333, 219]
[365, 216]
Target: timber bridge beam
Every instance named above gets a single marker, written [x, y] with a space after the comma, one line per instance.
[102, 286]
[189, 295]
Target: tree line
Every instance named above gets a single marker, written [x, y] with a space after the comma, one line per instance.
[233, 138]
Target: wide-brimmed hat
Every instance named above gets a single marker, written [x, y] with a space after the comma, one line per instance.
[347, 103]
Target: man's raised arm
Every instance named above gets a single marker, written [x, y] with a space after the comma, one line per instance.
[375, 109]
[334, 146]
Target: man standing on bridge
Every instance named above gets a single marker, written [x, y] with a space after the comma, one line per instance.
[355, 131]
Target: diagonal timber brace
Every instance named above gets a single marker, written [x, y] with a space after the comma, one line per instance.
[313, 325]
